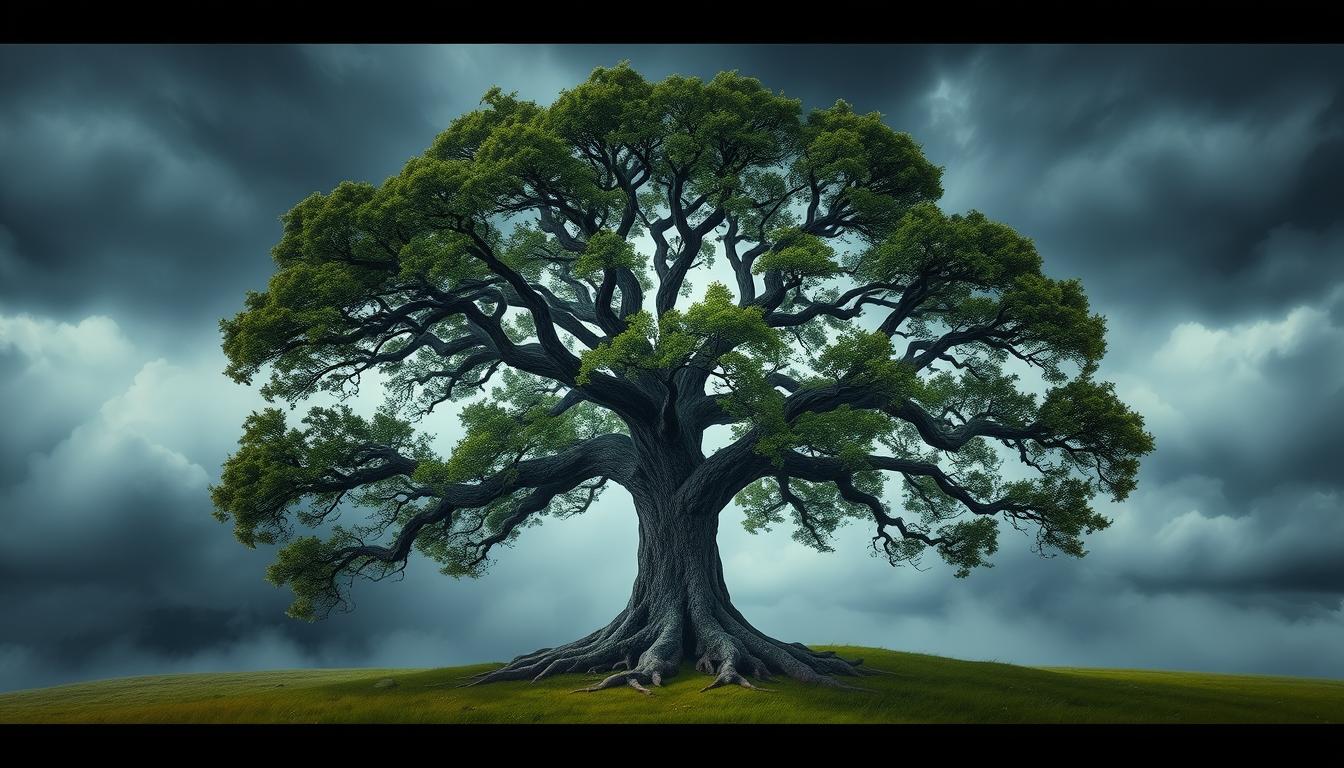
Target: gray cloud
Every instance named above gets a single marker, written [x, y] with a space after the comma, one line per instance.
[1161, 173]
[1249, 403]
[115, 566]
[1194, 190]
[148, 182]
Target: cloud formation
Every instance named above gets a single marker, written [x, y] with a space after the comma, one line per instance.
[1194, 190]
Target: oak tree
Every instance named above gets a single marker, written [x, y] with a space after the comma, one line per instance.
[860, 359]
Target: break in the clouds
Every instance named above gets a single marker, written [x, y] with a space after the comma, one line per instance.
[1195, 190]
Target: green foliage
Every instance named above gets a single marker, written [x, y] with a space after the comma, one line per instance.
[1061, 506]
[276, 467]
[816, 510]
[761, 504]
[714, 131]
[635, 347]
[877, 173]
[969, 543]
[863, 358]
[845, 433]
[609, 112]
[436, 279]
[976, 273]
[305, 565]
[453, 548]
[677, 337]
[758, 406]
[1089, 413]
[970, 249]
[988, 395]
[497, 437]
[303, 305]
[337, 456]
[467, 133]
[1053, 315]
[605, 250]
[260, 480]
[753, 203]
[440, 259]
[798, 255]
[717, 317]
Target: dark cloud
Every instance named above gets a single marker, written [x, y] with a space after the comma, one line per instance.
[893, 76]
[113, 546]
[1280, 552]
[114, 564]
[1159, 173]
[1250, 404]
[1194, 190]
[149, 181]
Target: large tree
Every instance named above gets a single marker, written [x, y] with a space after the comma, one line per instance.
[867, 337]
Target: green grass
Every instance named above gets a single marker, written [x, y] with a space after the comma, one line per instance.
[919, 689]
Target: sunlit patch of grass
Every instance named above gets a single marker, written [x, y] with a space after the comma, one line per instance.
[918, 688]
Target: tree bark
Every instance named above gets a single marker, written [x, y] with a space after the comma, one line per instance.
[679, 610]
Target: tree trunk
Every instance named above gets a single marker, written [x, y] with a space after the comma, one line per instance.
[679, 610]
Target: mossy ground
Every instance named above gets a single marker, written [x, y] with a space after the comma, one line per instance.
[920, 689]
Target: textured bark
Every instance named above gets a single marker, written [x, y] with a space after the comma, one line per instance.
[679, 610]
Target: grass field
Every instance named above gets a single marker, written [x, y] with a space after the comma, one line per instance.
[919, 689]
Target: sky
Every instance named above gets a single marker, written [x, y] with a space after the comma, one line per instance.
[1196, 191]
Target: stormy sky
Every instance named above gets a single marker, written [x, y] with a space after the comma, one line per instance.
[1197, 191]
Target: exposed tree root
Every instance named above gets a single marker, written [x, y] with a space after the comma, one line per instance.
[643, 646]
[729, 676]
[635, 680]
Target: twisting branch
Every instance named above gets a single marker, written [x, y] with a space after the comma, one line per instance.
[833, 470]
[863, 295]
[532, 503]
[535, 303]
[421, 278]
[804, 515]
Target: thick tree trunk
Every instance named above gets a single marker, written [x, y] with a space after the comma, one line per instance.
[679, 610]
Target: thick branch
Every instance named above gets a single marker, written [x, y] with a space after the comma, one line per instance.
[535, 303]
[861, 296]
[834, 470]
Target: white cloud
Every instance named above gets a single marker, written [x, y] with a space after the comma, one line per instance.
[1243, 351]
[950, 110]
[44, 343]
[59, 376]
[160, 434]
[1241, 391]
[190, 406]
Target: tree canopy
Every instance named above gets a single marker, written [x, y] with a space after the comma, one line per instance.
[863, 347]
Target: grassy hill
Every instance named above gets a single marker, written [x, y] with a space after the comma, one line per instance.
[919, 689]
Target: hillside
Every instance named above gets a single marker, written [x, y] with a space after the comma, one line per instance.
[918, 689]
